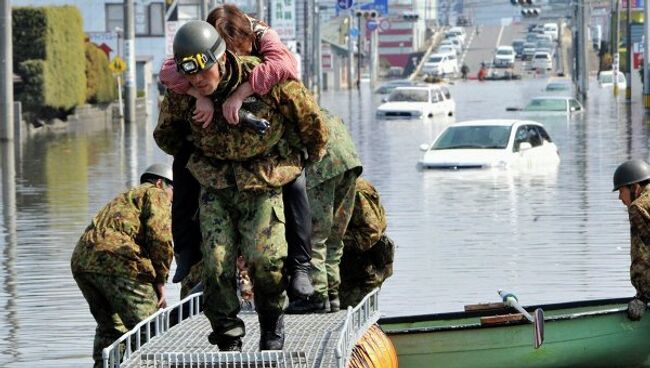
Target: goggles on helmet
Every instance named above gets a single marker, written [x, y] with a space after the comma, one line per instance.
[198, 62]
[193, 64]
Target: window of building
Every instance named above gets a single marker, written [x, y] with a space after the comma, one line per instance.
[149, 19]
[114, 16]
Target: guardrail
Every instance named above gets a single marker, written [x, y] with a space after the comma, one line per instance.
[155, 325]
[357, 322]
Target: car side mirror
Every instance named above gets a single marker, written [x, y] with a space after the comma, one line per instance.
[523, 146]
[424, 147]
[385, 99]
[572, 109]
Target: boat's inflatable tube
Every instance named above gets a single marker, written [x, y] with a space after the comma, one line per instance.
[374, 350]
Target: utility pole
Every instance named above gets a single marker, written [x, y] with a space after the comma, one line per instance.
[359, 51]
[204, 9]
[628, 67]
[6, 74]
[318, 60]
[129, 56]
[260, 10]
[646, 57]
[350, 49]
[374, 57]
[583, 81]
[614, 43]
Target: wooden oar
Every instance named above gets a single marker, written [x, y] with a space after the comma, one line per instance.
[538, 322]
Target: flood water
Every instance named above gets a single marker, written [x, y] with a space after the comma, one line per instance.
[548, 235]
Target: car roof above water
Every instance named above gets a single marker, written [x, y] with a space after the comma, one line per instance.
[496, 122]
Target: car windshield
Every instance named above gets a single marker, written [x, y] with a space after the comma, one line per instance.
[606, 78]
[504, 52]
[409, 95]
[435, 59]
[557, 87]
[478, 136]
[541, 56]
[546, 104]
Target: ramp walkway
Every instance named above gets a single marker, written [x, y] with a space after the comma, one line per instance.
[177, 337]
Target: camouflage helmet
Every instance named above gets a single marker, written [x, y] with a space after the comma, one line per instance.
[630, 172]
[197, 46]
[162, 171]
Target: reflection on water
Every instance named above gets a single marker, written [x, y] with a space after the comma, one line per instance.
[549, 235]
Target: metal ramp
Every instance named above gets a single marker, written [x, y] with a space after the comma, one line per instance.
[312, 340]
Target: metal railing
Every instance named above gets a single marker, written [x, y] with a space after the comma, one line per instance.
[357, 322]
[155, 325]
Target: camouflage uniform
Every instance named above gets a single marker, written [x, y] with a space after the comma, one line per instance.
[241, 175]
[330, 188]
[124, 251]
[639, 212]
[368, 253]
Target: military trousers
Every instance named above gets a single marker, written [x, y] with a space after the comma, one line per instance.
[332, 203]
[117, 303]
[252, 223]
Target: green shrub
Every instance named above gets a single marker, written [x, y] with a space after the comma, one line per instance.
[100, 83]
[48, 44]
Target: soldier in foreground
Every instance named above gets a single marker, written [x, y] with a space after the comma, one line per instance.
[122, 260]
[631, 180]
[368, 253]
[241, 173]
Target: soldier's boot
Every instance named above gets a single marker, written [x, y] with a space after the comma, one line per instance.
[300, 286]
[229, 340]
[314, 304]
[225, 343]
[271, 331]
[335, 302]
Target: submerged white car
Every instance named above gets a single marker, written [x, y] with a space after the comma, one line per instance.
[418, 102]
[482, 144]
[606, 79]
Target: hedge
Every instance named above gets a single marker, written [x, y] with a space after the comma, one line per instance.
[49, 55]
[100, 83]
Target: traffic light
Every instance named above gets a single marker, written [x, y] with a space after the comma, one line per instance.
[530, 12]
[411, 17]
[368, 14]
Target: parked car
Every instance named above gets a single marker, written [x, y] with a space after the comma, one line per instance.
[518, 46]
[389, 86]
[528, 52]
[606, 79]
[551, 30]
[542, 60]
[418, 102]
[447, 49]
[559, 86]
[440, 65]
[483, 144]
[553, 104]
[453, 41]
[504, 57]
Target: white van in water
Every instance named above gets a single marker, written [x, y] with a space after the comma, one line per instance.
[551, 29]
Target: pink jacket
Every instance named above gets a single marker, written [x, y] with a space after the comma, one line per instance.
[279, 65]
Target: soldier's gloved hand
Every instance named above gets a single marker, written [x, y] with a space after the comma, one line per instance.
[635, 309]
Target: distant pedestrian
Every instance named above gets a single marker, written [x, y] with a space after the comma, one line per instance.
[464, 70]
[482, 73]
[631, 180]
[123, 258]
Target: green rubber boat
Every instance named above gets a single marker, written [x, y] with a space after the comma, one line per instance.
[595, 333]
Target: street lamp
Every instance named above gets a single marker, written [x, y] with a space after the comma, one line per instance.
[118, 32]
